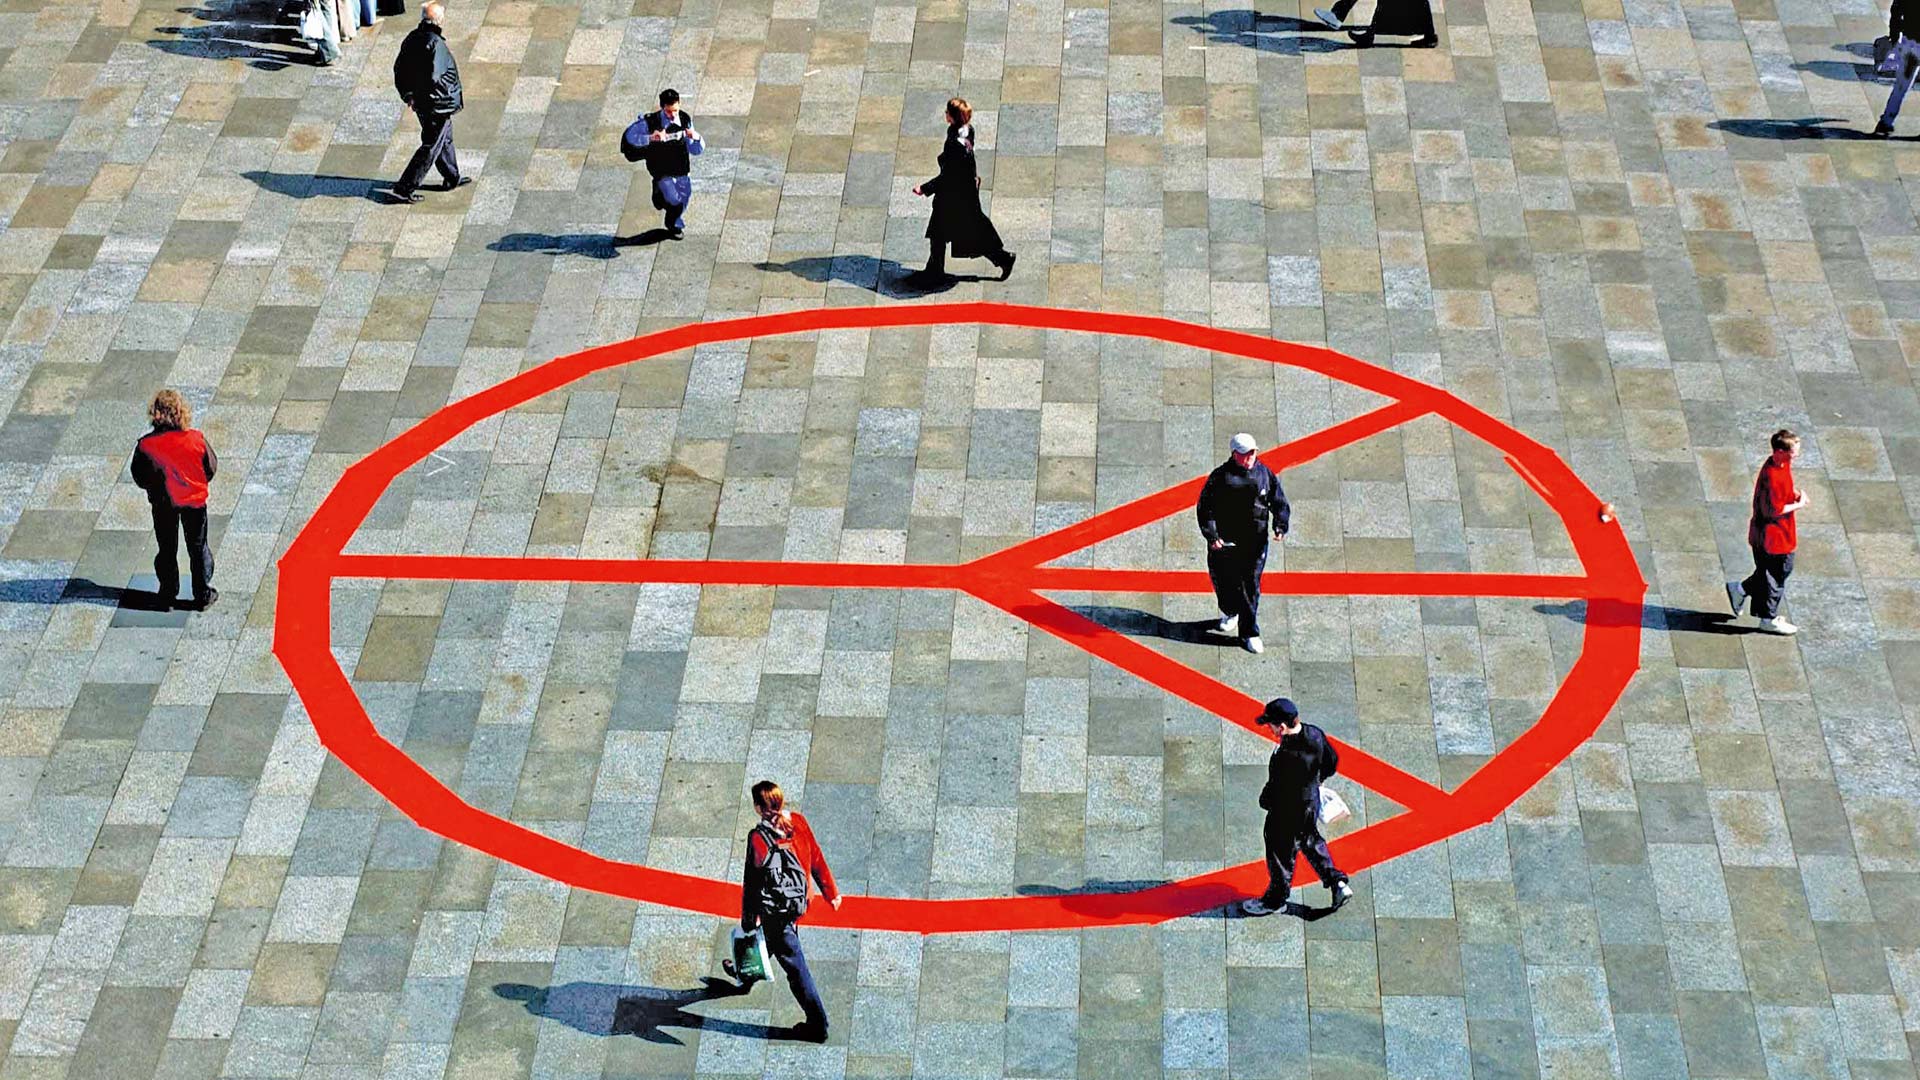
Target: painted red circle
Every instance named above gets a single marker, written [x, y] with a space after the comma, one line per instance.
[1012, 579]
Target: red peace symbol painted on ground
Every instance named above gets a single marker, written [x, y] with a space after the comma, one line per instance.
[1012, 580]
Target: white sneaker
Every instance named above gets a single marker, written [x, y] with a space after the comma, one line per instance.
[1257, 907]
[1254, 646]
[1778, 626]
[1331, 20]
[1342, 893]
[1226, 623]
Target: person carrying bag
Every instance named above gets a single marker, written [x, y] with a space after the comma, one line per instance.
[783, 860]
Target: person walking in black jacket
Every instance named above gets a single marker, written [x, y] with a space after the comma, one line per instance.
[1903, 26]
[957, 217]
[1302, 760]
[1241, 500]
[429, 82]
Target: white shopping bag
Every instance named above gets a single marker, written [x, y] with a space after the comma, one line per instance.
[313, 24]
[1333, 808]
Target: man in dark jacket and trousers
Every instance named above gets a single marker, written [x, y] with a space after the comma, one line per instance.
[1242, 499]
[769, 900]
[1301, 761]
[1772, 535]
[667, 140]
[173, 465]
[429, 82]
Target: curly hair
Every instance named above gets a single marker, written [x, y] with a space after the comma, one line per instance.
[170, 410]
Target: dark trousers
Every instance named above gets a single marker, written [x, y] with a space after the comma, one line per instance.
[169, 522]
[1290, 834]
[937, 257]
[1235, 570]
[436, 149]
[1767, 585]
[783, 941]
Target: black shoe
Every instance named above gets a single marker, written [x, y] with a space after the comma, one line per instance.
[927, 278]
[1342, 892]
[1882, 129]
[676, 233]
[1427, 42]
[460, 183]
[406, 196]
[810, 1032]
[1006, 268]
[202, 603]
[1362, 37]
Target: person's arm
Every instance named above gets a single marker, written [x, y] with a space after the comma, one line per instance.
[695, 144]
[402, 85]
[1281, 509]
[756, 857]
[210, 460]
[1273, 780]
[1203, 510]
[1329, 757]
[822, 875]
[447, 73]
[144, 474]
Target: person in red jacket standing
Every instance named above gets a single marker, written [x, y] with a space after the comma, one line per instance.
[173, 464]
[781, 856]
[1772, 536]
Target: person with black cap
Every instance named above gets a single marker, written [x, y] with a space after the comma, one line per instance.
[1302, 759]
[1240, 500]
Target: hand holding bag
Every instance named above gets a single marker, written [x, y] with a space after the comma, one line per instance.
[313, 24]
[749, 963]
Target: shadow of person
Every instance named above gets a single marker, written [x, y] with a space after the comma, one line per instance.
[265, 46]
[309, 186]
[1839, 70]
[1222, 902]
[641, 1011]
[1135, 623]
[1813, 127]
[52, 591]
[589, 245]
[1652, 617]
[1253, 30]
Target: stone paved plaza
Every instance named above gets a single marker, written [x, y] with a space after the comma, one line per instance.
[1644, 234]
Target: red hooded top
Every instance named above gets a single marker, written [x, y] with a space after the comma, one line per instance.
[174, 465]
[1770, 530]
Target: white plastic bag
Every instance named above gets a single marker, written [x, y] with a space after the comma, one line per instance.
[1333, 808]
[313, 23]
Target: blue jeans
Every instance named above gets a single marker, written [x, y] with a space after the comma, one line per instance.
[783, 941]
[676, 192]
[1908, 51]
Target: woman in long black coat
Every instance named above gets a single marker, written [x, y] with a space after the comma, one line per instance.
[957, 217]
[1396, 18]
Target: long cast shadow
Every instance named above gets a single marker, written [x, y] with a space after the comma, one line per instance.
[1652, 617]
[1228, 907]
[78, 591]
[1134, 623]
[883, 276]
[1253, 30]
[641, 1011]
[590, 245]
[226, 37]
[309, 186]
[1812, 127]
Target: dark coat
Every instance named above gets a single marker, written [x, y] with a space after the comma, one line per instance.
[1239, 505]
[1413, 18]
[424, 72]
[1300, 763]
[957, 217]
[1903, 21]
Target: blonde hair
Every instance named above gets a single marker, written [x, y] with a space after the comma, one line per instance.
[170, 410]
[959, 111]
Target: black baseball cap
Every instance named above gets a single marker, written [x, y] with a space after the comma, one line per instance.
[1280, 711]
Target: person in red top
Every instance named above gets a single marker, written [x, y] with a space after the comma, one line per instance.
[173, 465]
[1772, 536]
[782, 856]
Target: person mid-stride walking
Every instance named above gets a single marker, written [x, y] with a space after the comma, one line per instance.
[173, 464]
[667, 141]
[1242, 498]
[781, 858]
[957, 217]
[1903, 26]
[1302, 759]
[1772, 535]
[428, 81]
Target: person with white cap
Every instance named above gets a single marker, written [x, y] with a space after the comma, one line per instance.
[1239, 503]
[1302, 760]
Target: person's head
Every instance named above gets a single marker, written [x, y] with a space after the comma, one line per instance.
[1786, 445]
[1282, 715]
[959, 113]
[1243, 447]
[433, 11]
[170, 410]
[769, 801]
[669, 101]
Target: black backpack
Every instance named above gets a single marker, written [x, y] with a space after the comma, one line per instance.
[781, 888]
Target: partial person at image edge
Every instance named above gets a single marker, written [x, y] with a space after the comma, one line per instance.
[782, 858]
[1902, 26]
[173, 464]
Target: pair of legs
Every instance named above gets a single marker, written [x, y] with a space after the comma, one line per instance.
[1289, 834]
[1397, 20]
[1909, 53]
[675, 193]
[436, 150]
[169, 522]
[937, 260]
[1767, 585]
[1236, 571]
[783, 942]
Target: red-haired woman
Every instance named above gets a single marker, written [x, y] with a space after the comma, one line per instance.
[781, 858]
[957, 217]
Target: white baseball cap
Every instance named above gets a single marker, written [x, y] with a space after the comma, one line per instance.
[1242, 444]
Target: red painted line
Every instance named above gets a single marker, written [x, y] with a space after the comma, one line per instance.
[1611, 583]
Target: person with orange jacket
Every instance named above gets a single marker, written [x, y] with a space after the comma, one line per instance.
[1772, 536]
[173, 464]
